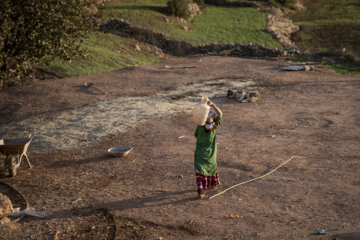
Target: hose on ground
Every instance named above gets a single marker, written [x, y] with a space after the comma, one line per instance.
[236, 185]
[26, 203]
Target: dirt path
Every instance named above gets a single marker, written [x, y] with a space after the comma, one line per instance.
[151, 193]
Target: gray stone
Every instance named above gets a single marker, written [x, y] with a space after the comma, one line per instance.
[194, 10]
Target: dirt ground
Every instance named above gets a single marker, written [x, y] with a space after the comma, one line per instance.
[151, 193]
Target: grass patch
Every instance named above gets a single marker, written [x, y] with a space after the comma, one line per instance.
[345, 68]
[106, 52]
[329, 26]
[216, 25]
[340, 66]
[321, 12]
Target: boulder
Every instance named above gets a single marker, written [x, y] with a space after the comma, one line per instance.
[298, 5]
[6, 207]
[194, 10]
[5, 220]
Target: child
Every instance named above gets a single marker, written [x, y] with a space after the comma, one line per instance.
[205, 153]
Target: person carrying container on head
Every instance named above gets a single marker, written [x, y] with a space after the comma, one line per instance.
[207, 175]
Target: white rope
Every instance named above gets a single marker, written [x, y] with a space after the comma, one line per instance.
[256, 177]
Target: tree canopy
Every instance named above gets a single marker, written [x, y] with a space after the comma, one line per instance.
[36, 31]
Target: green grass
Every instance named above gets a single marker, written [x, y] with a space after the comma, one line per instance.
[345, 68]
[105, 52]
[215, 25]
[329, 26]
[340, 66]
[321, 12]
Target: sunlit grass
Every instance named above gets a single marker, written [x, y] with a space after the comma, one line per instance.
[215, 25]
[329, 26]
[325, 11]
[345, 68]
[341, 66]
[105, 52]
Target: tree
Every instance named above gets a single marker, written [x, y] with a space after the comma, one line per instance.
[37, 31]
[179, 8]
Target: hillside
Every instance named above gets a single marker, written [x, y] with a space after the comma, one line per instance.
[329, 26]
[327, 29]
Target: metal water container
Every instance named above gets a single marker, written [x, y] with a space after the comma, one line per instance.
[200, 112]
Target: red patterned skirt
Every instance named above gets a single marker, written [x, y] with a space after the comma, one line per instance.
[205, 182]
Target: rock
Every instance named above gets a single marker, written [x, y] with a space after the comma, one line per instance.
[5, 220]
[6, 207]
[280, 27]
[293, 51]
[158, 52]
[194, 10]
[328, 60]
[275, 11]
[93, 9]
[185, 28]
[182, 20]
[299, 6]
[167, 20]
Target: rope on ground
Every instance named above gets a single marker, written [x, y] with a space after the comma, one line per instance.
[218, 194]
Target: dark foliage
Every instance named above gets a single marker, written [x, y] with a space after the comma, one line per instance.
[36, 31]
[179, 8]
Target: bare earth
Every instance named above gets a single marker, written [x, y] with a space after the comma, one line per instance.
[151, 193]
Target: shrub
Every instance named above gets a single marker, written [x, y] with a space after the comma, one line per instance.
[179, 8]
[33, 32]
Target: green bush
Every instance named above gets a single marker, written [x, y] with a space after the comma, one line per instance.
[33, 32]
[179, 8]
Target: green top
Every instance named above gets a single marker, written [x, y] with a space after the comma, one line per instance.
[205, 152]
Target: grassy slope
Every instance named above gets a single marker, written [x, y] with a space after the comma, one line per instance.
[106, 52]
[345, 68]
[330, 26]
[216, 25]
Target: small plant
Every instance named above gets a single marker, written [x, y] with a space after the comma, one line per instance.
[179, 8]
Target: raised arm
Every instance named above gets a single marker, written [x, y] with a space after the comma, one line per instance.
[215, 108]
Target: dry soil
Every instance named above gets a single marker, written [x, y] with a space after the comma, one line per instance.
[151, 193]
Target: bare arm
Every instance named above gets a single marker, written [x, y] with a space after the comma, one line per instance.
[215, 108]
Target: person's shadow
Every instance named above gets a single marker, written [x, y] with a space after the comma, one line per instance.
[161, 199]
